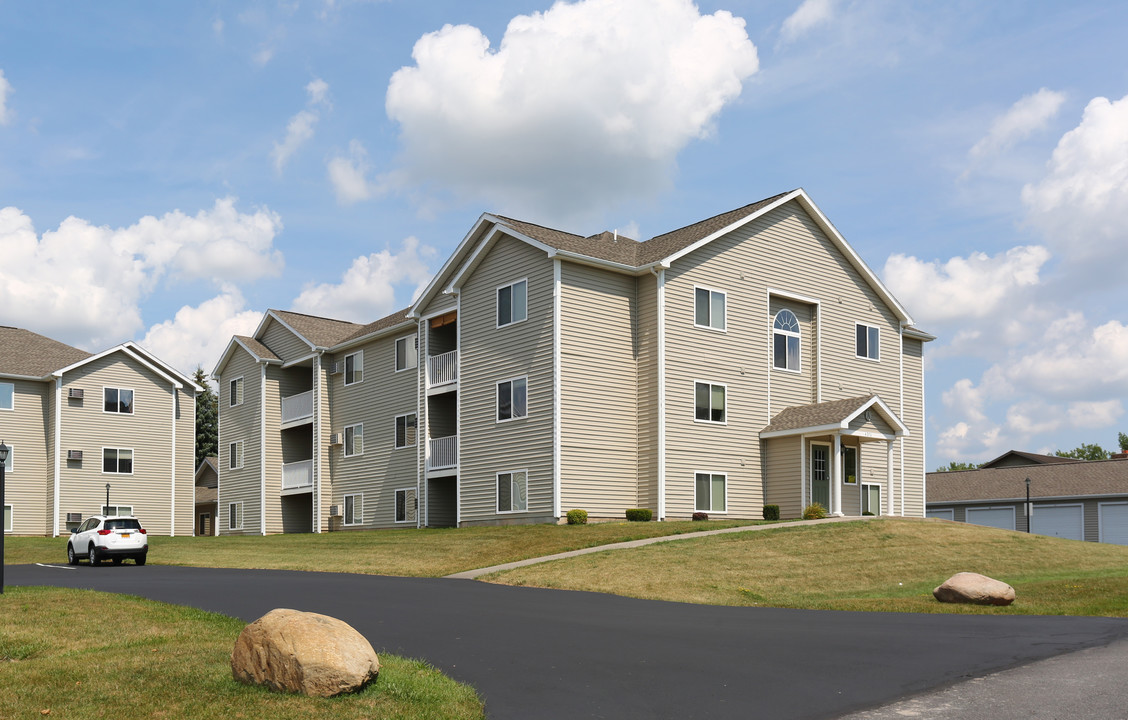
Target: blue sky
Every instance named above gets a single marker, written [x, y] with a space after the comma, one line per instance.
[169, 171]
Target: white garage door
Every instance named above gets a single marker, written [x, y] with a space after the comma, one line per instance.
[1114, 523]
[1063, 521]
[948, 514]
[998, 517]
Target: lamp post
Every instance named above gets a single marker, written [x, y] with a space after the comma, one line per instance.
[1028, 513]
[106, 509]
[3, 461]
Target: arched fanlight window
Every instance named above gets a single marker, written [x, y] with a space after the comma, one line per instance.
[785, 341]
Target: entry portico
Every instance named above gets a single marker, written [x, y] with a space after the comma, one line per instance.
[828, 438]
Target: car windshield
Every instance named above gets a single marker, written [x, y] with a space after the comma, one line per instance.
[123, 524]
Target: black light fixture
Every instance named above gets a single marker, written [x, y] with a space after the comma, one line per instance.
[106, 510]
[1028, 513]
[4, 449]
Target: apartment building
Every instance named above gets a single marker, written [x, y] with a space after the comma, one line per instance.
[752, 358]
[82, 427]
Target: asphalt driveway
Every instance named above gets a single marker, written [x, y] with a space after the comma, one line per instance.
[534, 653]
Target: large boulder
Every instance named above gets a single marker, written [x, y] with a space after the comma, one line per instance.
[303, 652]
[968, 587]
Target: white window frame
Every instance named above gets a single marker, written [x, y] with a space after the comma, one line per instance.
[798, 335]
[395, 505]
[132, 406]
[357, 360]
[117, 509]
[724, 316]
[877, 331]
[12, 392]
[497, 400]
[497, 303]
[710, 385]
[238, 507]
[711, 474]
[857, 465]
[132, 460]
[497, 492]
[357, 517]
[865, 489]
[10, 463]
[233, 395]
[9, 513]
[345, 440]
[395, 437]
[238, 456]
[410, 361]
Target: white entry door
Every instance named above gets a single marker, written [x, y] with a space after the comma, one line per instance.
[1114, 523]
[997, 517]
[1063, 521]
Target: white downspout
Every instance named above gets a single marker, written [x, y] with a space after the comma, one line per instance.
[58, 444]
[172, 514]
[889, 473]
[262, 448]
[556, 414]
[660, 276]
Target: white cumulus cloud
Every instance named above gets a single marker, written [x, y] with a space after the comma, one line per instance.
[197, 335]
[1027, 116]
[576, 108]
[5, 90]
[349, 176]
[810, 14]
[302, 125]
[367, 290]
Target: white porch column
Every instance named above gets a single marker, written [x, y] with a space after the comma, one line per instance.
[803, 472]
[889, 474]
[836, 478]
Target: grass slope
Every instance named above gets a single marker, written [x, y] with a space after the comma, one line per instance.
[884, 564]
[83, 654]
[410, 552]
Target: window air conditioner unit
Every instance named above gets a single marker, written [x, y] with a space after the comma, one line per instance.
[74, 517]
[335, 439]
[334, 511]
[74, 393]
[337, 368]
[74, 454]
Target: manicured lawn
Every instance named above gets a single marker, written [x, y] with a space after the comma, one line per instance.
[410, 552]
[82, 654]
[883, 564]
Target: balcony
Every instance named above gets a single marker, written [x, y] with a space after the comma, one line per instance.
[442, 369]
[297, 409]
[297, 476]
[442, 453]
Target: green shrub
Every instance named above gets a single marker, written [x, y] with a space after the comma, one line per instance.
[577, 517]
[639, 514]
[814, 511]
[771, 512]
[867, 512]
[700, 516]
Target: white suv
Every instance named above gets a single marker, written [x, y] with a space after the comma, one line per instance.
[115, 537]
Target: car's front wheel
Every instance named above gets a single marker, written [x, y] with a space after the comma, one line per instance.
[72, 559]
[93, 555]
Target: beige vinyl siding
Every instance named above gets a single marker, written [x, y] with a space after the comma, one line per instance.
[490, 355]
[185, 461]
[375, 402]
[284, 343]
[914, 419]
[242, 422]
[29, 487]
[440, 304]
[782, 472]
[147, 432]
[790, 388]
[322, 385]
[599, 392]
[647, 412]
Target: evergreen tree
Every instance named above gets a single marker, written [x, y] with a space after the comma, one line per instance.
[207, 419]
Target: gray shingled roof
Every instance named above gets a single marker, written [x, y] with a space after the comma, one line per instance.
[816, 414]
[23, 352]
[260, 350]
[1076, 478]
[322, 332]
[623, 250]
[383, 323]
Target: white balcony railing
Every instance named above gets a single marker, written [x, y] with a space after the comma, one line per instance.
[297, 474]
[442, 369]
[297, 407]
[443, 453]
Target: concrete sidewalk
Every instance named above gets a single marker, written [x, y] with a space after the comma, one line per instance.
[472, 574]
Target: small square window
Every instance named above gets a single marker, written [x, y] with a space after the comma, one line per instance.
[7, 395]
[709, 401]
[868, 341]
[354, 368]
[512, 399]
[512, 303]
[407, 353]
[512, 492]
[710, 492]
[709, 308]
[405, 430]
[117, 400]
[354, 440]
[117, 461]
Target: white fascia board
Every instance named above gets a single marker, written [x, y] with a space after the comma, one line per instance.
[787, 295]
[886, 412]
[813, 430]
[226, 357]
[390, 330]
[471, 261]
[124, 349]
[637, 270]
[10, 376]
[437, 281]
[191, 382]
[917, 334]
[297, 361]
[732, 226]
[283, 323]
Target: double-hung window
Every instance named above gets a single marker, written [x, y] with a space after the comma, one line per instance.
[354, 440]
[406, 505]
[709, 399]
[235, 516]
[354, 509]
[117, 400]
[117, 509]
[867, 341]
[405, 430]
[785, 341]
[235, 455]
[710, 492]
[407, 353]
[512, 491]
[7, 395]
[512, 399]
[354, 368]
[512, 303]
[235, 392]
[117, 461]
[709, 308]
